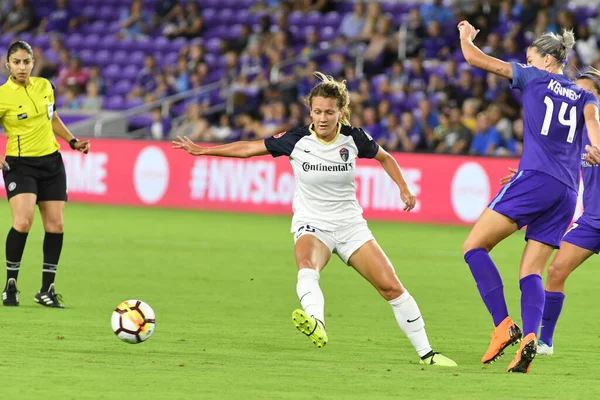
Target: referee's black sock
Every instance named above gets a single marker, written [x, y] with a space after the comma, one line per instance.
[15, 244]
[52, 247]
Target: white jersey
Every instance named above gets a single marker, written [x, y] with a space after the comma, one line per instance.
[325, 194]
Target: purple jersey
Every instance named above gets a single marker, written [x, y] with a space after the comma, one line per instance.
[591, 189]
[553, 122]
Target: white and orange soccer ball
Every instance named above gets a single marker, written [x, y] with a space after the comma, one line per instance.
[133, 321]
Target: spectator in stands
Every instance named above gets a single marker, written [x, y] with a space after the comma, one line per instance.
[92, 100]
[428, 120]
[470, 108]
[587, 45]
[486, 139]
[435, 44]
[313, 5]
[74, 76]
[160, 127]
[20, 18]
[437, 11]
[181, 77]
[96, 78]
[135, 21]
[193, 126]
[353, 23]
[52, 54]
[145, 81]
[499, 121]
[417, 76]
[71, 100]
[61, 19]
[372, 124]
[409, 135]
[164, 12]
[416, 33]
[188, 22]
[163, 89]
[464, 89]
[515, 144]
[221, 131]
[42, 67]
[239, 42]
[512, 52]
[454, 138]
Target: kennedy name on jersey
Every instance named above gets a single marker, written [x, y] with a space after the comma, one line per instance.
[327, 168]
[557, 88]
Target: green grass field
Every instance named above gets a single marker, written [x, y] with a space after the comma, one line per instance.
[223, 289]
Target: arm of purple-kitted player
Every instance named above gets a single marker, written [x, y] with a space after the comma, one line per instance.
[590, 113]
[478, 58]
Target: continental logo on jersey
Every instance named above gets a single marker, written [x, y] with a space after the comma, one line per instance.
[344, 154]
[327, 168]
[22, 116]
[279, 135]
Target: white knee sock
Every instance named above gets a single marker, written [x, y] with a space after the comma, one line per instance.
[409, 318]
[310, 294]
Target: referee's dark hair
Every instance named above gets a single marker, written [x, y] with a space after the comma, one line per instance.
[19, 45]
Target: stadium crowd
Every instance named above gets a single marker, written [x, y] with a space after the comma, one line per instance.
[413, 91]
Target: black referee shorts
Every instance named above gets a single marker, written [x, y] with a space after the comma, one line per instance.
[44, 176]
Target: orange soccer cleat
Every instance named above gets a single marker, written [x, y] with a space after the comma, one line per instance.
[505, 334]
[525, 355]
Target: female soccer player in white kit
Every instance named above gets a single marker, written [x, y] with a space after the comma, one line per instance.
[327, 217]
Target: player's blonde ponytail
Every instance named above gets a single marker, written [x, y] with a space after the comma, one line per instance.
[558, 46]
[330, 88]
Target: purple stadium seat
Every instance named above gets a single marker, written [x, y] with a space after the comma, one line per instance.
[397, 99]
[102, 58]
[112, 71]
[196, 40]
[126, 44]
[242, 17]
[98, 27]
[113, 27]
[90, 12]
[113, 103]
[87, 57]
[213, 4]
[74, 41]
[121, 88]
[332, 19]
[328, 33]
[254, 18]
[137, 58]
[130, 72]
[209, 15]
[42, 41]
[211, 59]
[107, 13]
[313, 18]
[296, 18]
[91, 41]
[160, 44]
[170, 59]
[213, 45]
[178, 43]
[25, 36]
[133, 103]
[225, 16]
[120, 57]
[246, 3]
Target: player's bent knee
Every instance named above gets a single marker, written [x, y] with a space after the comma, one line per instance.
[306, 263]
[557, 274]
[391, 291]
[23, 223]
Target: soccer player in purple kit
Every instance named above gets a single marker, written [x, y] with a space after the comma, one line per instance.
[579, 243]
[542, 195]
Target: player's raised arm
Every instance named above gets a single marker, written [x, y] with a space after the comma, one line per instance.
[592, 124]
[478, 58]
[244, 149]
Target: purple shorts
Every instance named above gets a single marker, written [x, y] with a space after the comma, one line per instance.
[583, 235]
[539, 201]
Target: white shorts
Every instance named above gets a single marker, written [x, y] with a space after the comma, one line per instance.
[344, 242]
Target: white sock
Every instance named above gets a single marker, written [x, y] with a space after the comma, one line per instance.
[310, 294]
[406, 309]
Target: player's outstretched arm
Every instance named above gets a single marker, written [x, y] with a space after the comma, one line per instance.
[590, 113]
[390, 165]
[244, 149]
[478, 58]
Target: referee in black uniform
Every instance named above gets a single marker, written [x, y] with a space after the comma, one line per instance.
[33, 170]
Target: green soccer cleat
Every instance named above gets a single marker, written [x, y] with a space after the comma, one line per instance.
[311, 327]
[438, 359]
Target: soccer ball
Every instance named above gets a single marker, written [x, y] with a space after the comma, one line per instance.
[133, 321]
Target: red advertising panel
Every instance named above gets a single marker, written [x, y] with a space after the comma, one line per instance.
[450, 189]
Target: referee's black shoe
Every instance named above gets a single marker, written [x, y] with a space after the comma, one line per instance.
[49, 298]
[10, 295]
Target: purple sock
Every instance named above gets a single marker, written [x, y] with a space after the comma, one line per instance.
[488, 282]
[552, 308]
[532, 303]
